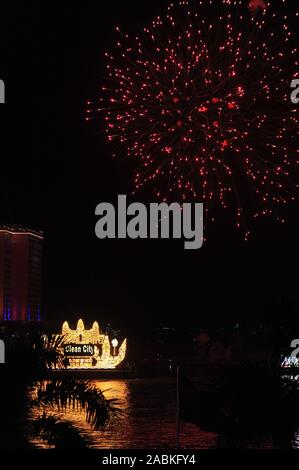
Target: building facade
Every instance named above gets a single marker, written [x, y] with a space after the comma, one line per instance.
[20, 274]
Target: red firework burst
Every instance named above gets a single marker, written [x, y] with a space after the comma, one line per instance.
[201, 101]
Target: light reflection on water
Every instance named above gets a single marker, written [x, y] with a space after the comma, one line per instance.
[148, 421]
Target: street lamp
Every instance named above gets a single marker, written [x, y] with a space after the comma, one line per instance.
[114, 343]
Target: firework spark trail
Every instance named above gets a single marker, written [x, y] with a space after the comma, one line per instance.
[201, 101]
[255, 5]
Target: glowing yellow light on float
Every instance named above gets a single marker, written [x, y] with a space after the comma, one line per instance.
[101, 358]
[114, 343]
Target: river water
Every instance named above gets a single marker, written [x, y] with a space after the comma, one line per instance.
[148, 420]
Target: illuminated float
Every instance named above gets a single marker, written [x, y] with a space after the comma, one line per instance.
[290, 362]
[90, 349]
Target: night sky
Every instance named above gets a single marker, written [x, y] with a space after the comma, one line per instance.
[55, 169]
